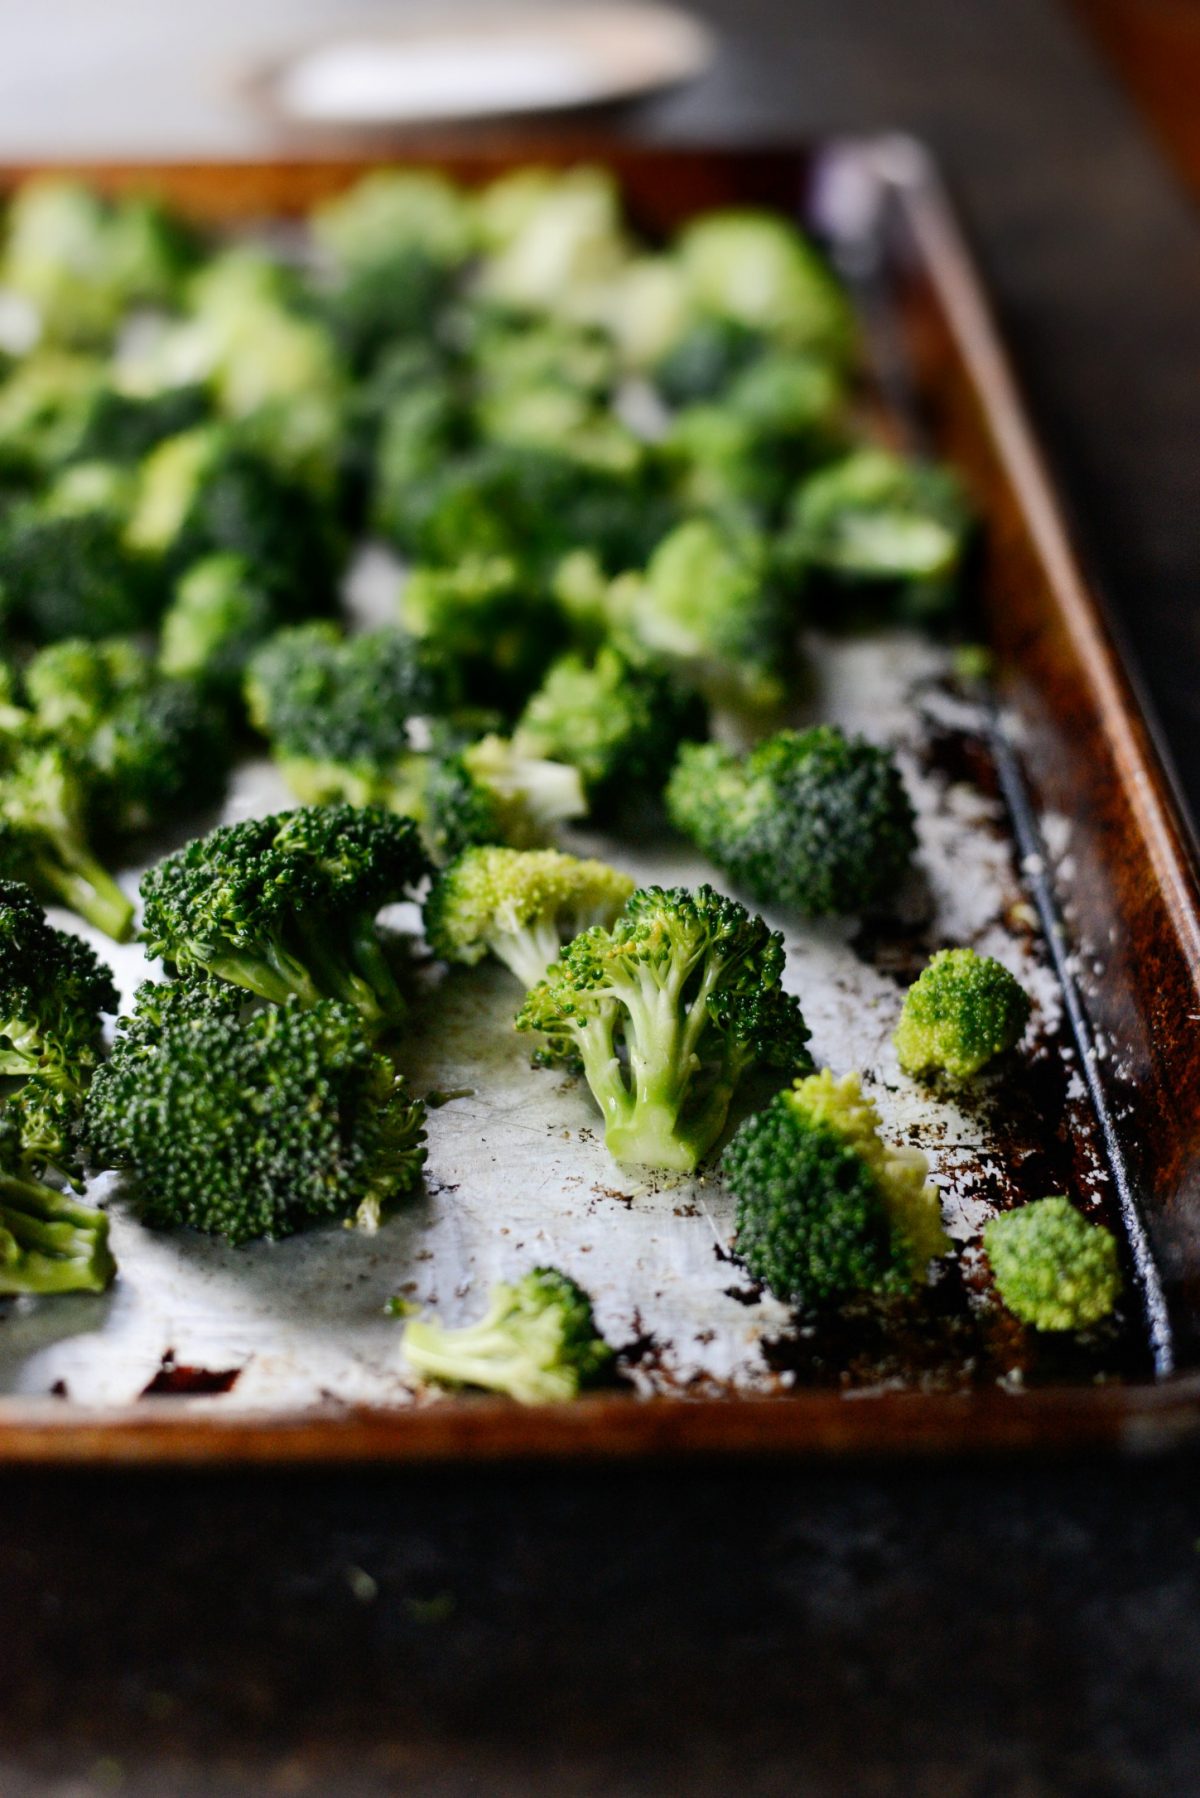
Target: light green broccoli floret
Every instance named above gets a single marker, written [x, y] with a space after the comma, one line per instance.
[1052, 1268]
[393, 210]
[756, 268]
[556, 240]
[537, 1342]
[521, 905]
[963, 1010]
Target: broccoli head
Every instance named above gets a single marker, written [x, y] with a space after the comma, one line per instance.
[286, 905]
[825, 1209]
[811, 819]
[665, 1012]
[756, 269]
[554, 239]
[393, 210]
[45, 789]
[618, 718]
[489, 620]
[537, 1342]
[1052, 1268]
[963, 1010]
[491, 793]
[877, 526]
[49, 1240]
[219, 614]
[66, 567]
[521, 905]
[702, 362]
[252, 1126]
[53, 990]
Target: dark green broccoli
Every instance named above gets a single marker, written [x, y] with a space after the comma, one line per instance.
[397, 300]
[825, 1208]
[46, 403]
[252, 1126]
[811, 819]
[881, 528]
[537, 1342]
[490, 793]
[709, 603]
[702, 363]
[221, 611]
[618, 718]
[66, 566]
[287, 905]
[150, 746]
[337, 709]
[389, 210]
[518, 352]
[755, 268]
[1052, 1268]
[490, 620]
[123, 427]
[410, 434]
[665, 1013]
[963, 1010]
[44, 799]
[49, 1241]
[520, 905]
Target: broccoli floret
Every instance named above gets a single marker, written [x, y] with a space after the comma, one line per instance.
[150, 745]
[825, 1208]
[756, 269]
[811, 819]
[491, 793]
[513, 352]
[489, 620]
[879, 527]
[963, 1010]
[394, 300]
[555, 240]
[708, 601]
[44, 795]
[1052, 1268]
[58, 408]
[66, 567]
[394, 210]
[619, 719]
[701, 364]
[537, 1342]
[82, 261]
[250, 1127]
[287, 905]
[219, 615]
[49, 1241]
[519, 905]
[53, 990]
[665, 1012]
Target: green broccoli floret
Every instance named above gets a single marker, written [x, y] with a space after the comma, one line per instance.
[756, 269]
[825, 1208]
[395, 300]
[665, 1013]
[66, 567]
[701, 364]
[58, 408]
[555, 240]
[521, 905]
[82, 261]
[337, 709]
[490, 620]
[516, 352]
[708, 602]
[287, 905]
[881, 527]
[1052, 1268]
[53, 990]
[219, 615]
[537, 1342]
[44, 799]
[253, 1126]
[963, 1010]
[491, 793]
[811, 819]
[49, 1241]
[150, 746]
[616, 717]
[393, 210]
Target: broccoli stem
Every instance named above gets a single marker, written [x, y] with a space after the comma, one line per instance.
[483, 1355]
[50, 1242]
[528, 952]
[276, 978]
[78, 880]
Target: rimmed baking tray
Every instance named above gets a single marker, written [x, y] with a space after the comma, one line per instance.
[1105, 890]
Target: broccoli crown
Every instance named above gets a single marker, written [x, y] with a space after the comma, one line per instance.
[124, 427]
[825, 1209]
[875, 520]
[287, 905]
[221, 611]
[250, 1127]
[519, 904]
[392, 300]
[708, 601]
[49, 1241]
[665, 1012]
[701, 364]
[489, 620]
[618, 719]
[346, 700]
[53, 990]
[1052, 1268]
[394, 210]
[149, 745]
[963, 1010]
[756, 269]
[71, 575]
[811, 819]
[537, 1342]
[491, 793]
[43, 833]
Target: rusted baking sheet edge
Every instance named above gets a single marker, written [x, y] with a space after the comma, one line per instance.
[182, 1432]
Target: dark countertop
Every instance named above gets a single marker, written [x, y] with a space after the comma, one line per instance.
[979, 1630]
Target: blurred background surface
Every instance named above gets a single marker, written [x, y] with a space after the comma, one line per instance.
[991, 1630]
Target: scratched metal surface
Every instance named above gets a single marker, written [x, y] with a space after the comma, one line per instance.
[518, 1172]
